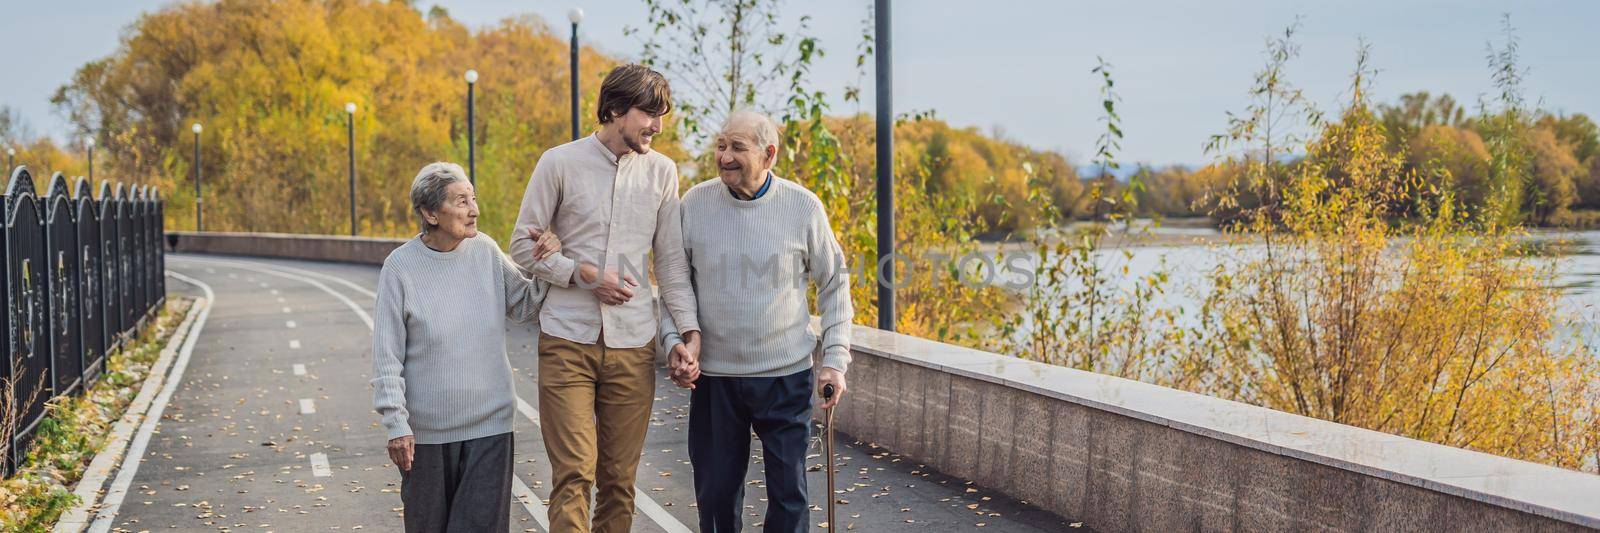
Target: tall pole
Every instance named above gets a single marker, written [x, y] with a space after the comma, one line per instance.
[199, 201]
[350, 126]
[472, 163]
[885, 141]
[11, 159]
[575, 16]
[90, 143]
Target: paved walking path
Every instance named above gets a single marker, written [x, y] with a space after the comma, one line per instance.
[272, 429]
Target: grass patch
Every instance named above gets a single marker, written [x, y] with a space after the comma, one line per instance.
[76, 427]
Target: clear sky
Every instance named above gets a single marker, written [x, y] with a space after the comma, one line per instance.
[1021, 67]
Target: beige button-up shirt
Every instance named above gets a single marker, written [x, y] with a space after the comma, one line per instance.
[615, 213]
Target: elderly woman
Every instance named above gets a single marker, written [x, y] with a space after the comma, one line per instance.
[441, 379]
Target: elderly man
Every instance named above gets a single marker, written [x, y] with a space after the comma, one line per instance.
[753, 240]
[612, 202]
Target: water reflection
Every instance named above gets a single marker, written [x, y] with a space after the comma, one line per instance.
[1576, 256]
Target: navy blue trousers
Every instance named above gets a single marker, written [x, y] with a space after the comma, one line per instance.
[722, 411]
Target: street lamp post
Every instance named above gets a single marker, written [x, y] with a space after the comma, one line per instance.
[885, 142]
[472, 149]
[199, 201]
[11, 159]
[350, 126]
[90, 143]
[576, 16]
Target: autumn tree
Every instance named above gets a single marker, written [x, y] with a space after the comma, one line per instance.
[269, 80]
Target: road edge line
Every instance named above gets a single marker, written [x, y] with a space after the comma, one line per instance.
[111, 457]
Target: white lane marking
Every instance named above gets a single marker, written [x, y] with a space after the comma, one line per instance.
[642, 500]
[211, 271]
[289, 324]
[288, 269]
[294, 345]
[531, 502]
[281, 300]
[360, 313]
[307, 407]
[287, 311]
[265, 285]
[319, 465]
[653, 510]
[135, 455]
[299, 369]
[527, 411]
[273, 291]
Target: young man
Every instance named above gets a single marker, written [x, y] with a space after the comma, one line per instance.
[753, 241]
[612, 202]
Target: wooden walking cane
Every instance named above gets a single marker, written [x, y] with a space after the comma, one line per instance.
[827, 448]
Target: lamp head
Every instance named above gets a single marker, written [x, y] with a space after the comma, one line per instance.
[196, 128]
[472, 76]
[576, 15]
[350, 107]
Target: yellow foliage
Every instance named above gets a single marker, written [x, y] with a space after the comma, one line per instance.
[268, 80]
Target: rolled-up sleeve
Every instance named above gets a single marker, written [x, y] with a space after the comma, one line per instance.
[389, 355]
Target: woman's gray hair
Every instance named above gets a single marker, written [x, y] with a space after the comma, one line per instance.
[428, 190]
[766, 132]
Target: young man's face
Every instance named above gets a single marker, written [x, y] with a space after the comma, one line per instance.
[638, 127]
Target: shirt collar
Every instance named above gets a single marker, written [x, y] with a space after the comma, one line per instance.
[759, 192]
[594, 140]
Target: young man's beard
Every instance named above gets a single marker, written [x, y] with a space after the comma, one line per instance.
[636, 143]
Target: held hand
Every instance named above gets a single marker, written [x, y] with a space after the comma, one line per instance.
[684, 361]
[545, 243]
[402, 450]
[611, 289]
[834, 377]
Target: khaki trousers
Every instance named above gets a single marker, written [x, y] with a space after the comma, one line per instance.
[594, 406]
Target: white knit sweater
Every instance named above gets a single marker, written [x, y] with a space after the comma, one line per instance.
[438, 340]
[750, 261]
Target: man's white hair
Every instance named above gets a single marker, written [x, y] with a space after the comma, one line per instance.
[766, 132]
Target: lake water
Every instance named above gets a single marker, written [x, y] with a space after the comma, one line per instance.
[1188, 265]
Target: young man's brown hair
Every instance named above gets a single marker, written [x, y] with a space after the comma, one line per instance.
[630, 86]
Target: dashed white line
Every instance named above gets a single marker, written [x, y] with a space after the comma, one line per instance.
[286, 311]
[307, 406]
[294, 345]
[319, 465]
[299, 369]
[273, 291]
[289, 324]
[281, 300]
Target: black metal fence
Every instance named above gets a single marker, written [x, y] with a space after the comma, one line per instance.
[82, 275]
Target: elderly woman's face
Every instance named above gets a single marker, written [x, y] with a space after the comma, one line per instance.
[457, 217]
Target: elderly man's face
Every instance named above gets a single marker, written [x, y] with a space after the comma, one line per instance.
[740, 158]
[457, 217]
